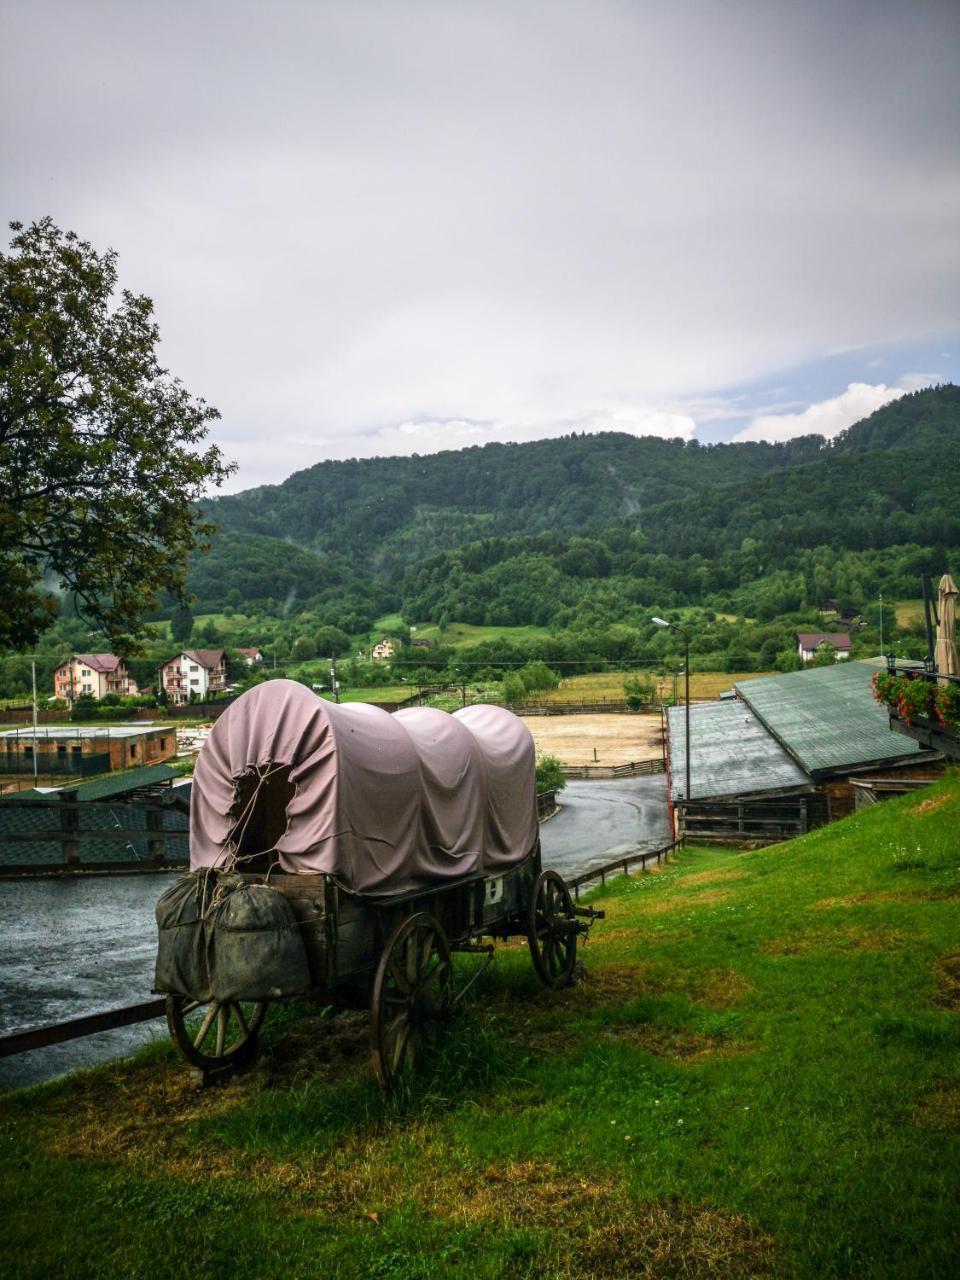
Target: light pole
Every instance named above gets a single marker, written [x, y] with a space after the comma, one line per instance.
[662, 622]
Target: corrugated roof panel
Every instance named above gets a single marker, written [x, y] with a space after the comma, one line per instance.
[731, 754]
[827, 717]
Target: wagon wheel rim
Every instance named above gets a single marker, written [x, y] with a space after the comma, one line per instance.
[411, 996]
[551, 931]
[214, 1033]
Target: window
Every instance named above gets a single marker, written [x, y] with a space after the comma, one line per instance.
[133, 751]
[84, 671]
[163, 744]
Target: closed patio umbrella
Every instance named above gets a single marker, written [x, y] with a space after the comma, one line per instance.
[948, 663]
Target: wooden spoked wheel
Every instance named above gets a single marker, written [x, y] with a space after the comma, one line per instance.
[552, 930]
[211, 1033]
[411, 996]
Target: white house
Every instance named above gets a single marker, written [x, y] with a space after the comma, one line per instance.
[808, 642]
[195, 672]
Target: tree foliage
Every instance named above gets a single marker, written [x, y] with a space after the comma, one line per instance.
[101, 450]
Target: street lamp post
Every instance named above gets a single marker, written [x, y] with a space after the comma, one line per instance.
[662, 622]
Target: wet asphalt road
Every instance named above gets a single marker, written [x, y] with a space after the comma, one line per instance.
[73, 946]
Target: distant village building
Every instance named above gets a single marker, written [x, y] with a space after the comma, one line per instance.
[809, 644]
[384, 649]
[93, 675]
[82, 752]
[196, 672]
[251, 656]
[422, 642]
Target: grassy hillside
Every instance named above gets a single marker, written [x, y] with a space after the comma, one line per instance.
[757, 1076]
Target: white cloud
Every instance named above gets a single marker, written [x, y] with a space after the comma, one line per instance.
[826, 417]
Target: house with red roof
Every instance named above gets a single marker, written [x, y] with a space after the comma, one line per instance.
[93, 675]
[810, 643]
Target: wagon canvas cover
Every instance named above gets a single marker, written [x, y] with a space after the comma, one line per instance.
[384, 802]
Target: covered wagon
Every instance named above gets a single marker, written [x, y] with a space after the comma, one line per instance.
[343, 854]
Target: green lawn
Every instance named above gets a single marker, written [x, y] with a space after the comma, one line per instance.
[758, 1076]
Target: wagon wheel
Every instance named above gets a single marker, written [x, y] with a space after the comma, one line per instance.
[214, 1033]
[552, 930]
[411, 994]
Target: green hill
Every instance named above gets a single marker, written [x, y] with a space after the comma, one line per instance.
[599, 527]
[758, 1076]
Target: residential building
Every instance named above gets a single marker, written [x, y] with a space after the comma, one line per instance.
[194, 672]
[93, 675]
[384, 649]
[809, 644]
[251, 656]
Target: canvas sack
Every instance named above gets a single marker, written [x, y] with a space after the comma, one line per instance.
[182, 948]
[254, 947]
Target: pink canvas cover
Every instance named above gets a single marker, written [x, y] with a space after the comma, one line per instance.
[385, 802]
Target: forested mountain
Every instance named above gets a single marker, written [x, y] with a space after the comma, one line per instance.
[597, 528]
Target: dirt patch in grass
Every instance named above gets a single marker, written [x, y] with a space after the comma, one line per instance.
[931, 805]
[597, 1229]
[861, 899]
[940, 1109]
[849, 938]
[714, 876]
[948, 982]
[683, 902]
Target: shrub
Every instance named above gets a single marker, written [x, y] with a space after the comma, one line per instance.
[550, 774]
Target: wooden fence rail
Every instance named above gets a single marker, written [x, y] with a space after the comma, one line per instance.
[621, 866]
[634, 769]
[74, 1028]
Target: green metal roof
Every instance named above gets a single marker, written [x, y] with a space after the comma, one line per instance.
[731, 754]
[116, 784]
[827, 717]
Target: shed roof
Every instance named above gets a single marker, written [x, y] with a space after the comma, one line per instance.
[116, 784]
[827, 717]
[731, 754]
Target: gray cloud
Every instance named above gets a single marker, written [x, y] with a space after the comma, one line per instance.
[386, 227]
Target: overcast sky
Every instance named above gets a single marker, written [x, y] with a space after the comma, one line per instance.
[394, 228]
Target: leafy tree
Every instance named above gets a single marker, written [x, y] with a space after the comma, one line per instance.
[331, 642]
[181, 624]
[304, 648]
[100, 469]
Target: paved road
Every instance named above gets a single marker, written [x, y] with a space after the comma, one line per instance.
[72, 946]
[599, 820]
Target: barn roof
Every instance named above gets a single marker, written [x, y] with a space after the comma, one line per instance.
[731, 754]
[827, 717]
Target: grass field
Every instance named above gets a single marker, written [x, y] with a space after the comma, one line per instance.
[609, 685]
[907, 611]
[757, 1076]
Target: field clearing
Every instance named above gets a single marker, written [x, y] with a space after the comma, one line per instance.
[617, 739]
[907, 611]
[375, 693]
[609, 685]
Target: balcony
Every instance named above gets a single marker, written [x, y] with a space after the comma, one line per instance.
[922, 705]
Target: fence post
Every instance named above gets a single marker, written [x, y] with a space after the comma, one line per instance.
[156, 845]
[70, 829]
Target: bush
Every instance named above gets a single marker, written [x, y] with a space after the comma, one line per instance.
[550, 774]
[513, 688]
[639, 690]
[536, 676]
